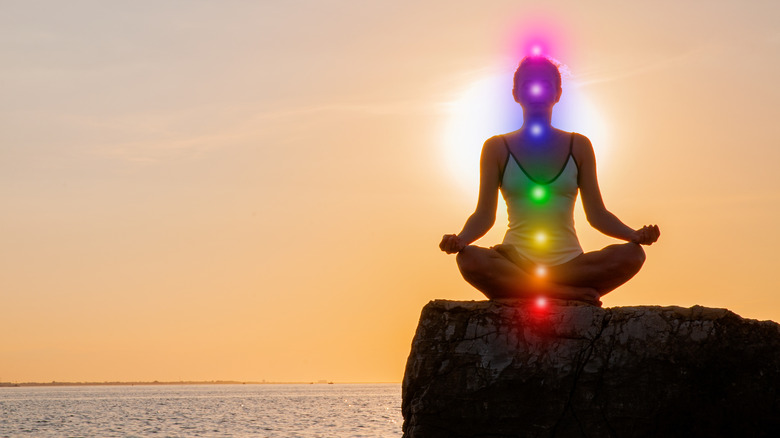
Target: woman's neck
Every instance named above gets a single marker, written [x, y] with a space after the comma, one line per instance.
[537, 125]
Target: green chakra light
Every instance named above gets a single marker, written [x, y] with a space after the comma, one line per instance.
[540, 194]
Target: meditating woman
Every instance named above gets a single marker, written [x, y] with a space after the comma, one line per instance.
[538, 170]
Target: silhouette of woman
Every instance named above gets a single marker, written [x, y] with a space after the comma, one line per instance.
[538, 170]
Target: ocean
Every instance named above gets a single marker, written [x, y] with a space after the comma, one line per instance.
[256, 410]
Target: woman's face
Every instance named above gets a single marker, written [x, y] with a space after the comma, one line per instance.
[537, 88]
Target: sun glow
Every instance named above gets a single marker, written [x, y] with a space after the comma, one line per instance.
[485, 107]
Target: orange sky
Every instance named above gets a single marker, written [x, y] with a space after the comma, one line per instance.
[256, 190]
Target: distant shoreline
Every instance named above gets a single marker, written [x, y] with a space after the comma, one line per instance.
[156, 383]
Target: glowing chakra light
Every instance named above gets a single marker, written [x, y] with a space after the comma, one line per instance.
[536, 129]
[539, 194]
[541, 237]
[536, 89]
[541, 302]
[536, 50]
[541, 271]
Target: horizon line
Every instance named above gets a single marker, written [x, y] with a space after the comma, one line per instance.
[180, 382]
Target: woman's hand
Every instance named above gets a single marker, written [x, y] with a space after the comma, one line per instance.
[452, 244]
[646, 235]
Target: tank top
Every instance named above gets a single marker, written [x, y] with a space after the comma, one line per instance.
[541, 213]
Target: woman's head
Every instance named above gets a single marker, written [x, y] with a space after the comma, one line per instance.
[537, 80]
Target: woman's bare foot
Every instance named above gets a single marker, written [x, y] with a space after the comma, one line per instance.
[510, 253]
[587, 295]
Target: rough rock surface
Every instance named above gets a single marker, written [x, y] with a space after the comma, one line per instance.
[487, 369]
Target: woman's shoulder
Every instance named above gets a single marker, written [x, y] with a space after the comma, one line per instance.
[581, 148]
[502, 137]
[501, 142]
[576, 136]
[496, 142]
[580, 137]
[580, 141]
[495, 149]
[508, 135]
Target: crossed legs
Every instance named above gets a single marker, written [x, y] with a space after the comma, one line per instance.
[586, 277]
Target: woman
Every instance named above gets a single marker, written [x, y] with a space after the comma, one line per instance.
[539, 169]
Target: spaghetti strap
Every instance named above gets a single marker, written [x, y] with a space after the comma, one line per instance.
[571, 144]
[502, 169]
[506, 145]
[571, 152]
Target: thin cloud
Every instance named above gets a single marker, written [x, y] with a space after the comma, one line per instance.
[617, 74]
[734, 45]
[155, 151]
[379, 108]
[152, 138]
[731, 199]
[164, 136]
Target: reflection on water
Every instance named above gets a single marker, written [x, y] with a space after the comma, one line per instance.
[347, 410]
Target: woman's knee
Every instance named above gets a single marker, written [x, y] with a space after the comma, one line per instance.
[472, 262]
[625, 258]
[468, 259]
[634, 257]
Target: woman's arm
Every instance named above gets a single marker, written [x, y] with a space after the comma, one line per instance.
[597, 214]
[484, 216]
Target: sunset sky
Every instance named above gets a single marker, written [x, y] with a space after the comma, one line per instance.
[249, 190]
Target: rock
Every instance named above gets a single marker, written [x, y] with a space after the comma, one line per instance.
[518, 369]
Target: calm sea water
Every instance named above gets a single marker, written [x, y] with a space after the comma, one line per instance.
[347, 410]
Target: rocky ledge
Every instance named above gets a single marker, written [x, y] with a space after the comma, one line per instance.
[559, 369]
